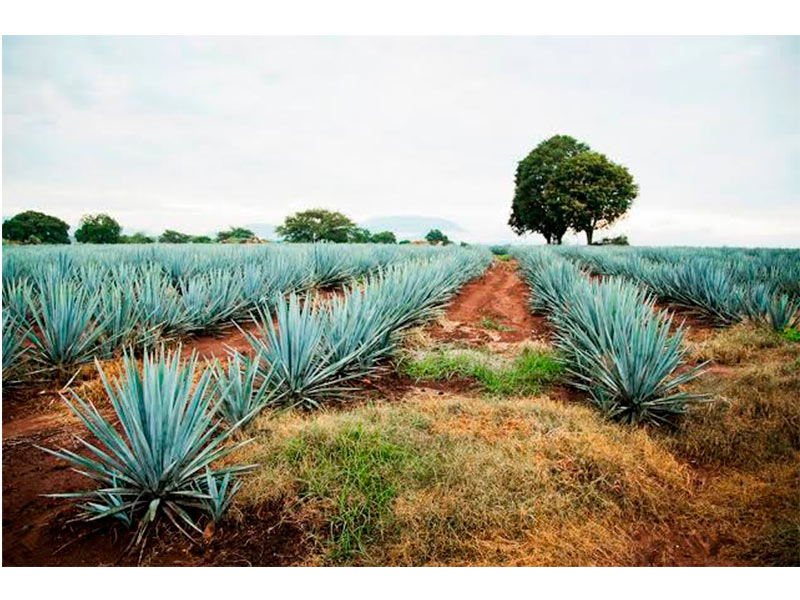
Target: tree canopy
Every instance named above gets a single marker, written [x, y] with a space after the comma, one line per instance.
[562, 184]
[317, 225]
[98, 229]
[31, 227]
[383, 237]
[171, 236]
[235, 234]
[435, 236]
[136, 238]
[360, 235]
[532, 210]
[596, 191]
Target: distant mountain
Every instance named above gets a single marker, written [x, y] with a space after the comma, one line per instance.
[411, 226]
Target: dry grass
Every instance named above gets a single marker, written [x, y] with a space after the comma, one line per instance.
[460, 480]
[756, 515]
[735, 345]
[755, 416]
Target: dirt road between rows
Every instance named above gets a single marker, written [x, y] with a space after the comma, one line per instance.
[493, 308]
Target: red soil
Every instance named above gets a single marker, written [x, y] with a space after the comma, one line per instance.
[39, 531]
[218, 346]
[492, 308]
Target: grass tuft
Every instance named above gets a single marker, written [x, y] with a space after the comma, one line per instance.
[791, 334]
[489, 323]
[526, 375]
[353, 470]
[735, 345]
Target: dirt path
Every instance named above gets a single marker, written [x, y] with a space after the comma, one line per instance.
[218, 346]
[493, 309]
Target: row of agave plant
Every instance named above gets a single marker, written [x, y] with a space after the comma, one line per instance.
[757, 288]
[777, 267]
[324, 264]
[617, 346]
[63, 313]
[176, 417]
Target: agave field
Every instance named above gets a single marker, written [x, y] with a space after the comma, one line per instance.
[63, 308]
[621, 348]
[167, 443]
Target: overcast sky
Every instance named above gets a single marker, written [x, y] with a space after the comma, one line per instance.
[196, 134]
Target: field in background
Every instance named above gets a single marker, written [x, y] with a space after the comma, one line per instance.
[508, 427]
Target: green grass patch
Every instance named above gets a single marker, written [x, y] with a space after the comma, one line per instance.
[525, 375]
[489, 323]
[357, 469]
[792, 334]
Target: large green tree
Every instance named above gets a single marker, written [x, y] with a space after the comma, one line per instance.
[98, 229]
[360, 235]
[31, 227]
[435, 236]
[595, 191]
[317, 225]
[383, 237]
[532, 210]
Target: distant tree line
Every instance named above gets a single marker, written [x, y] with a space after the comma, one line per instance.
[320, 225]
[33, 227]
[315, 225]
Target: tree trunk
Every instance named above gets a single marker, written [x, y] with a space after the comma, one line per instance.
[589, 234]
[558, 239]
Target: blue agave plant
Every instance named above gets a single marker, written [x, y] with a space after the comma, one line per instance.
[158, 462]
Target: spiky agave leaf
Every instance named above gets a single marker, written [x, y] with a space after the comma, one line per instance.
[619, 349]
[291, 341]
[122, 314]
[66, 331]
[774, 309]
[212, 299]
[242, 388]
[169, 437]
[330, 264]
[17, 296]
[15, 334]
[161, 305]
[617, 346]
[359, 328]
[219, 490]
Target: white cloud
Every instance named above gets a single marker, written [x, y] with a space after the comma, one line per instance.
[199, 133]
